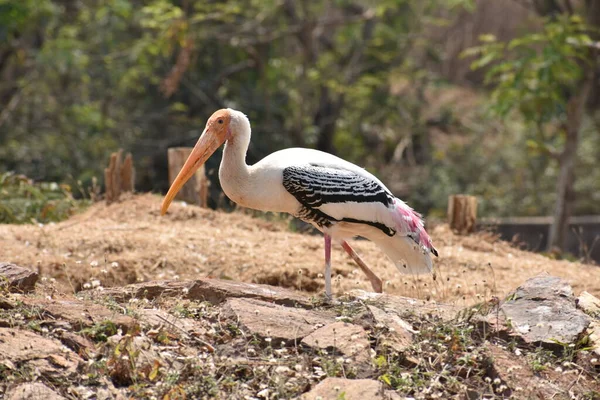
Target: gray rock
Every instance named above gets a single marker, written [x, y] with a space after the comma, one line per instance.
[348, 339]
[399, 333]
[32, 391]
[80, 314]
[406, 306]
[543, 310]
[49, 356]
[267, 320]
[594, 332]
[589, 304]
[215, 291]
[349, 389]
[17, 278]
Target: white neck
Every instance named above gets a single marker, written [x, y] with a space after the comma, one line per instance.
[233, 172]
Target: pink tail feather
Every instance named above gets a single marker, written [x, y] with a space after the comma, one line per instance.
[410, 222]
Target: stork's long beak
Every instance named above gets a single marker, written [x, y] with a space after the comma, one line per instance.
[206, 146]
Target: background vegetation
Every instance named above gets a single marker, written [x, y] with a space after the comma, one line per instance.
[492, 98]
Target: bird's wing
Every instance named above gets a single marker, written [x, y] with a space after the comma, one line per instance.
[340, 194]
[329, 194]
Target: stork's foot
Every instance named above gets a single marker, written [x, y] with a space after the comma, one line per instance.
[376, 282]
[326, 298]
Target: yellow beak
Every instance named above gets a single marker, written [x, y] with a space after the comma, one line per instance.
[206, 146]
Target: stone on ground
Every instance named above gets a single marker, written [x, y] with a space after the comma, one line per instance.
[346, 339]
[349, 389]
[81, 314]
[48, 356]
[267, 320]
[399, 333]
[543, 310]
[215, 291]
[405, 306]
[17, 279]
[594, 332]
[589, 303]
[32, 391]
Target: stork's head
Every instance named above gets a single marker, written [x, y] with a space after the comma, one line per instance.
[218, 130]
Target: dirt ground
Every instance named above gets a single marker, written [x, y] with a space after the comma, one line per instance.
[130, 242]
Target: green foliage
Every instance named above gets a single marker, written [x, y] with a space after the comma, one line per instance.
[306, 76]
[536, 71]
[22, 201]
[532, 79]
[82, 79]
[535, 74]
[508, 178]
[101, 331]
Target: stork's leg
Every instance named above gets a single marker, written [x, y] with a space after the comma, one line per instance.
[375, 280]
[327, 265]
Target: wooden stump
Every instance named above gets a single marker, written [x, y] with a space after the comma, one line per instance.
[119, 177]
[195, 191]
[127, 174]
[462, 213]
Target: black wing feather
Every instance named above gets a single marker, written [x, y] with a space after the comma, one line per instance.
[314, 186]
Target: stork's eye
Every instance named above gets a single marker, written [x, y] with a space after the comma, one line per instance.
[220, 121]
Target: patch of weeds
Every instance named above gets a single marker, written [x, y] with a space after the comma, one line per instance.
[121, 364]
[394, 373]
[204, 385]
[192, 309]
[233, 329]
[22, 373]
[22, 315]
[541, 359]
[101, 331]
[35, 326]
[96, 371]
[113, 305]
[444, 359]
[569, 351]
[163, 336]
[347, 311]
[591, 395]
[332, 366]
[564, 357]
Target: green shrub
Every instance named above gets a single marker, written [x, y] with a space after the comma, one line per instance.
[23, 201]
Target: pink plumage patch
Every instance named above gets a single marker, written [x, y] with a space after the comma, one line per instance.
[409, 221]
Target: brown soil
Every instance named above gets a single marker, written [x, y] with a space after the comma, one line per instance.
[128, 242]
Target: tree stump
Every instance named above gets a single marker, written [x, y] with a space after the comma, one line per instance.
[462, 213]
[119, 177]
[127, 174]
[195, 191]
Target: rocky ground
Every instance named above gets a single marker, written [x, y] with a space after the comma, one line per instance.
[212, 338]
[120, 303]
[129, 242]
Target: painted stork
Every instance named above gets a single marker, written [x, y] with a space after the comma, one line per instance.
[339, 198]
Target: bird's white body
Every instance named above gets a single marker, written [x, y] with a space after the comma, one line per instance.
[260, 186]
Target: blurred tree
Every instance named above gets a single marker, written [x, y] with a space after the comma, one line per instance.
[78, 79]
[547, 76]
[86, 77]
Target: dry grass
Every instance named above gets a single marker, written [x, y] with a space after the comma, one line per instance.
[128, 242]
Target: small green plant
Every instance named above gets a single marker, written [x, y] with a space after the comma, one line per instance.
[541, 359]
[101, 331]
[23, 201]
